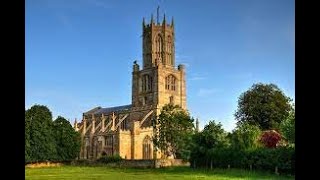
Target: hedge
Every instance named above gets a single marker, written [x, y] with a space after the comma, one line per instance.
[259, 159]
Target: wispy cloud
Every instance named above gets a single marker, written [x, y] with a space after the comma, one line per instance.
[204, 92]
[196, 78]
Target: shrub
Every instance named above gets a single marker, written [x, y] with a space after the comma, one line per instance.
[265, 159]
[110, 159]
[270, 138]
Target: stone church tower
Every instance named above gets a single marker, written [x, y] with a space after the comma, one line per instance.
[158, 82]
[128, 130]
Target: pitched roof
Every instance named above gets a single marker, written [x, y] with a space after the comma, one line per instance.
[100, 110]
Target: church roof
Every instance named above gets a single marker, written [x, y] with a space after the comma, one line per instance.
[100, 110]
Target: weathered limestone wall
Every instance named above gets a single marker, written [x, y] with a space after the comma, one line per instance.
[144, 163]
[179, 94]
[170, 162]
[139, 135]
[125, 144]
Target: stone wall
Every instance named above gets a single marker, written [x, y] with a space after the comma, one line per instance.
[141, 163]
[125, 144]
[170, 162]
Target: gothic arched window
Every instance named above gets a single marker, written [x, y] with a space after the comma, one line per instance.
[170, 83]
[159, 47]
[146, 83]
[169, 50]
[146, 148]
[147, 49]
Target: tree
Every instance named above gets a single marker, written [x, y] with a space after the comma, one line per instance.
[38, 124]
[208, 143]
[245, 136]
[67, 139]
[287, 127]
[175, 127]
[270, 138]
[213, 136]
[264, 105]
[27, 138]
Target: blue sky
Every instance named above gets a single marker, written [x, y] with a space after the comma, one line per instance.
[79, 53]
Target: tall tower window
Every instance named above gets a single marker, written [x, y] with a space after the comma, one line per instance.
[170, 83]
[159, 43]
[146, 83]
[169, 50]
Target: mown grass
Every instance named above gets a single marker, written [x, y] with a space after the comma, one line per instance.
[174, 173]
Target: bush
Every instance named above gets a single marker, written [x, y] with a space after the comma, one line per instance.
[265, 159]
[270, 138]
[110, 159]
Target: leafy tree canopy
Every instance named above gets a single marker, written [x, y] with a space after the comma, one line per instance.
[67, 139]
[245, 136]
[213, 136]
[287, 127]
[175, 127]
[264, 105]
[40, 143]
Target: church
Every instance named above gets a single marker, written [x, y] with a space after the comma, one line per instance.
[127, 130]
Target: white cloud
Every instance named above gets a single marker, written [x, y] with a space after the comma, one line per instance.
[203, 92]
[196, 78]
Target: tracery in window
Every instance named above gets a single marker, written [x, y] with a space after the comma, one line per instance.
[170, 83]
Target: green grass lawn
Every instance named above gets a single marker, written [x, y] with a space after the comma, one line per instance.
[101, 172]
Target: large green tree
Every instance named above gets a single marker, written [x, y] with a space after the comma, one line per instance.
[213, 136]
[27, 149]
[287, 127]
[264, 105]
[67, 139]
[39, 135]
[245, 136]
[208, 143]
[174, 126]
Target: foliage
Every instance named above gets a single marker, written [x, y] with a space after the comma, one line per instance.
[209, 142]
[258, 159]
[245, 136]
[27, 150]
[214, 136]
[40, 143]
[287, 127]
[110, 159]
[46, 140]
[212, 149]
[268, 159]
[67, 140]
[175, 127]
[264, 105]
[270, 138]
[185, 145]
